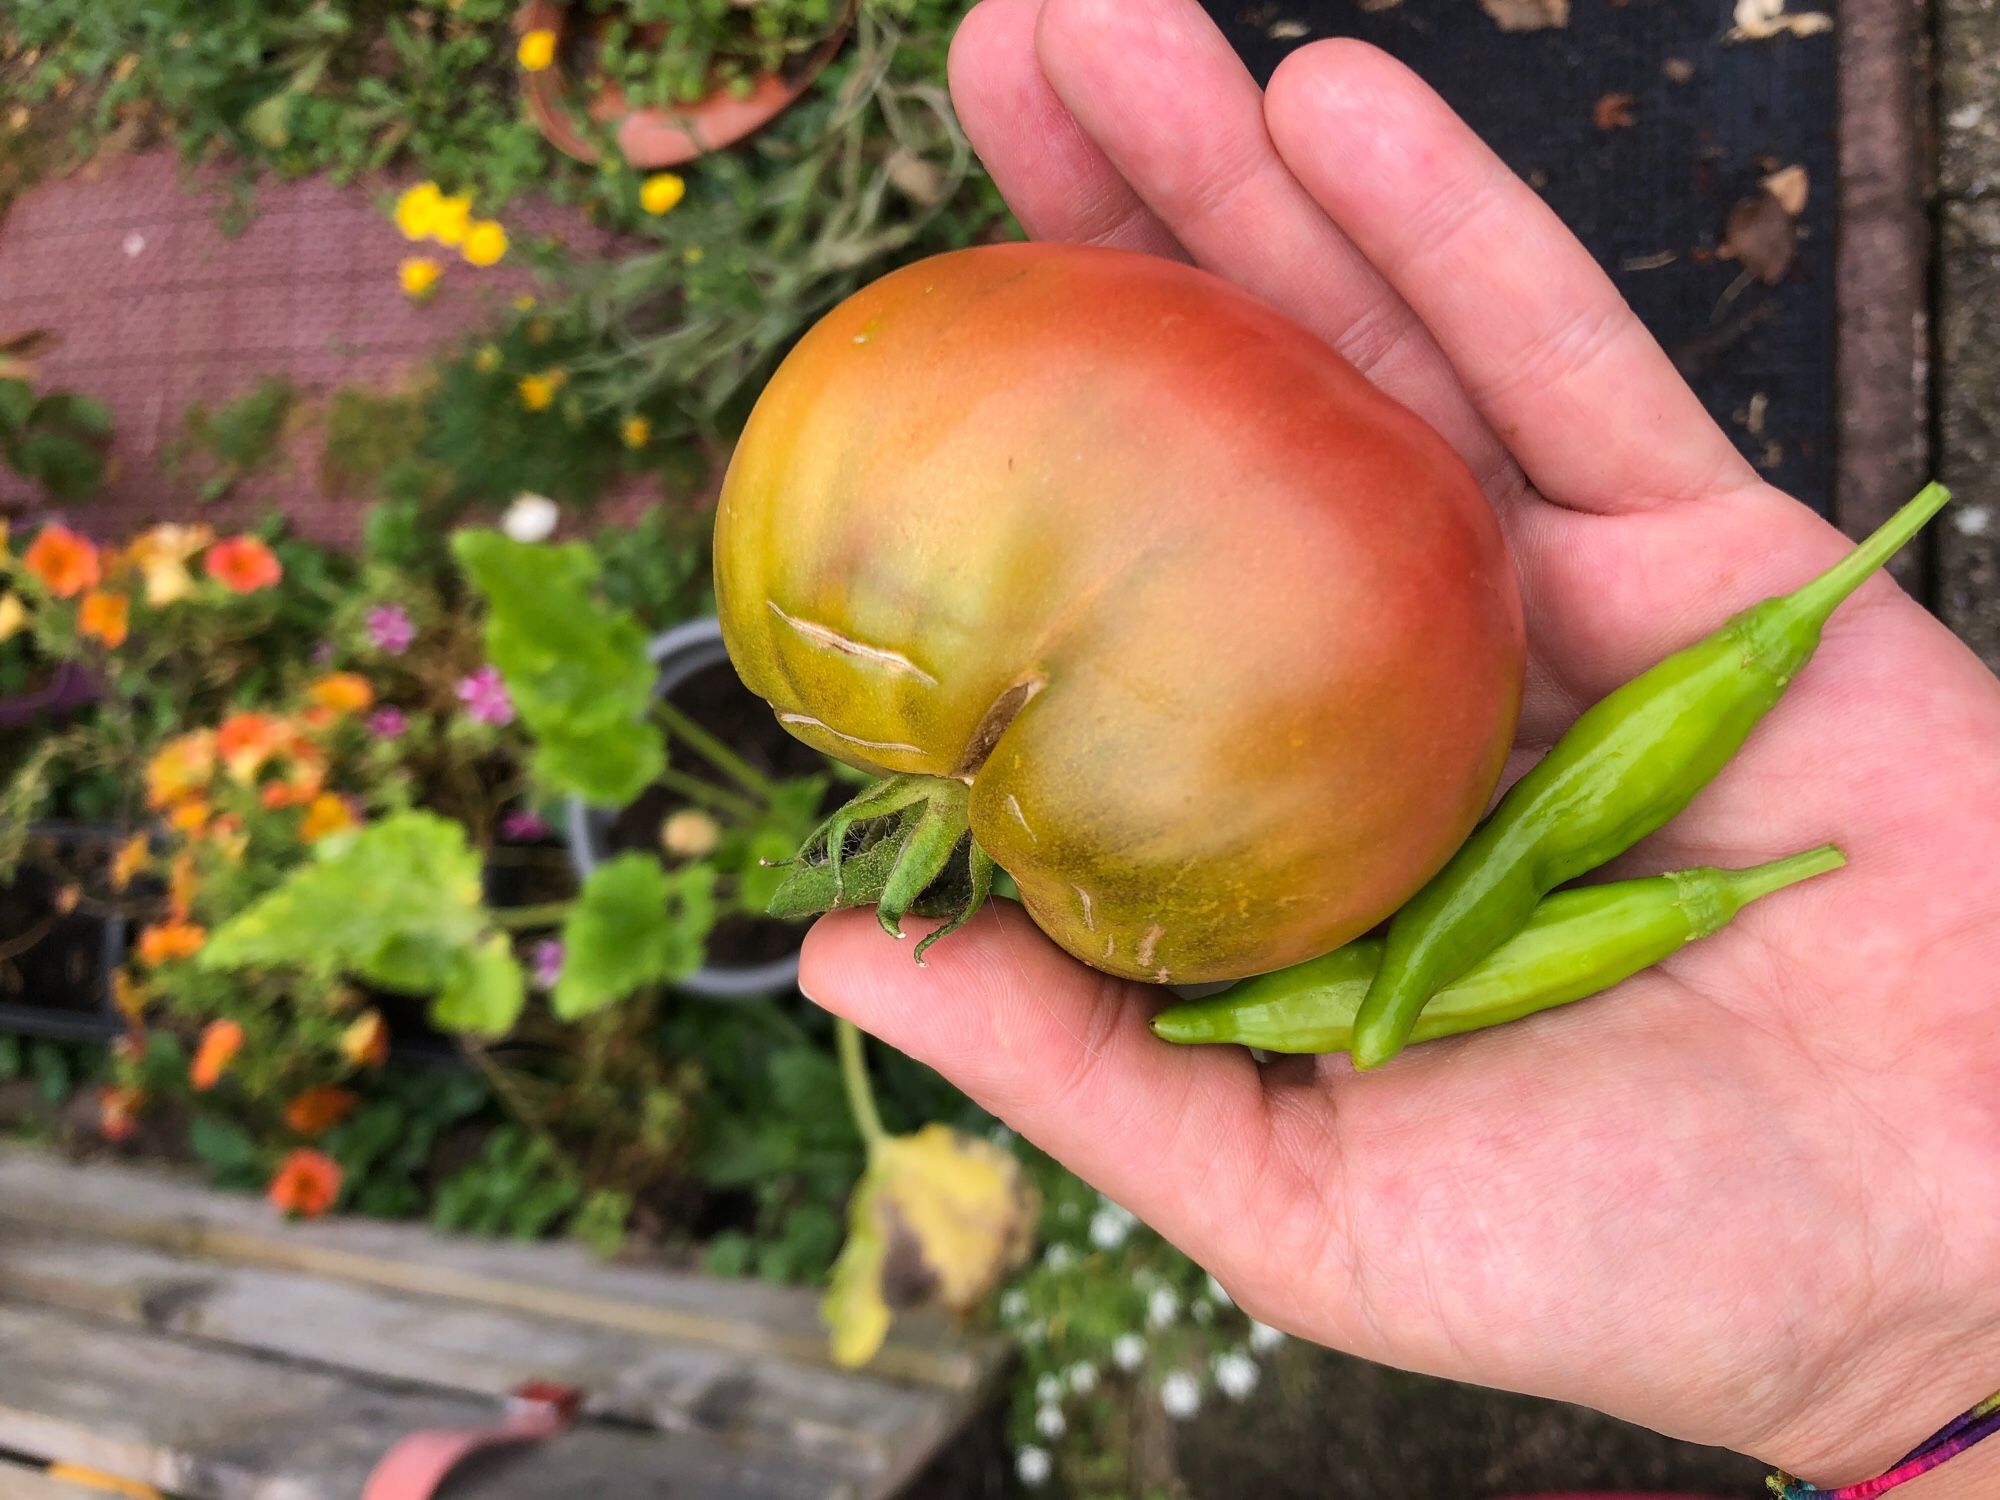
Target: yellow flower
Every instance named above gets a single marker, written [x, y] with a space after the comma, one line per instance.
[487, 360]
[660, 192]
[325, 814]
[161, 555]
[13, 616]
[636, 432]
[537, 50]
[132, 858]
[452, 219]
[524, 302]
[342, 692]
[538, 392]
[694, 255]
[419, 275]
[485, 243]
[416, 210]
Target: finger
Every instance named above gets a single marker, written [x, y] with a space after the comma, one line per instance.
[1062, 1054]
[1158, 88]
[1546, 348]
[1053, 177]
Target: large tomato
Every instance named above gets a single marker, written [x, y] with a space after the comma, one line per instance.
[1223, 641]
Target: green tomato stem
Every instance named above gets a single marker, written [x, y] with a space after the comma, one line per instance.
[860, 1092]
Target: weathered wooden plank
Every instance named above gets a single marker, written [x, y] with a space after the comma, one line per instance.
[211, 1423]
[554, 1280]
[876, 1432]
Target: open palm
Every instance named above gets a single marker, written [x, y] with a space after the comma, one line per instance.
[1750, 1197]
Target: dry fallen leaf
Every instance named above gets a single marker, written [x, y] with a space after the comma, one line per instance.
[938, 1218]
[1287, 31]
[1788, 186]
[1757, 20]
[1677, 69]
[1527, 15]
[1762, 236]
[1613, 112]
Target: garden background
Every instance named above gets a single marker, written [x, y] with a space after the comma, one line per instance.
[357, 438]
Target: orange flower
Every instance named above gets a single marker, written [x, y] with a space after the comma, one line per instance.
[118, 1112]
[365, 1044]
[246, 740]
[166, 941]
[243, 565]
[189, 816]
[343, 692]
[181, 766]
[220, 1042]
[105, 616]
[131, 859]
[318, 1110]
[181, 886]
[66, 563]
[307, 1184]
[327, 814]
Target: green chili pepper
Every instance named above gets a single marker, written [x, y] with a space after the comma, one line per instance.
[1629, 764]
[1577, 943]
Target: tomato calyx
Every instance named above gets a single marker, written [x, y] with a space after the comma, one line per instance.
[903, 844]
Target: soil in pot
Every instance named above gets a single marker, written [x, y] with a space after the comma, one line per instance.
[721, 704]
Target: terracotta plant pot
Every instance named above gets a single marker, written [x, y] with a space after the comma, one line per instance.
[652, 138]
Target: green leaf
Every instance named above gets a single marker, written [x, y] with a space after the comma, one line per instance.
[68, 468]
[486, 993]
[397, 903]
[17, 400]
[634, 924]
[576, 668]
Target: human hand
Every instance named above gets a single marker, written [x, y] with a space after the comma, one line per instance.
[1749, 1198]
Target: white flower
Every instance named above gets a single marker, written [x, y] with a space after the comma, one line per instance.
[1264, 1338]
[1219, 1293]
[1128, 1351]
[1048, 1389]
[1082, 1377]
[1235, 1374]
[1049, 1422]
[531, 518]
[1202, 1312]
[1000, 1135]
[1034, 1466]
[1180, 1395]
[1162, 1307]
[1013, 1305]
[1107, 1230]
[1035, 1332]
[1068, 1211]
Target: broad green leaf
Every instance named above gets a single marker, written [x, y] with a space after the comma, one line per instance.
[485, 992]
[634, 924]
[938, 1218]
[576, 668]
[17, 400]
[68, 468]
[397, 903]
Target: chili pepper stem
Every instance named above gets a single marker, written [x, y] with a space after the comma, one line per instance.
[1759, 881]
[1818, 599]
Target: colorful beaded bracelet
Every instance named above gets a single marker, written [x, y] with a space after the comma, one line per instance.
[1950, 1441]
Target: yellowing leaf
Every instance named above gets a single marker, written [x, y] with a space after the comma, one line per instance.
[938, 1218]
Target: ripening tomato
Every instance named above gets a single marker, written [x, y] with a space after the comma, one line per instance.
[1224, 642]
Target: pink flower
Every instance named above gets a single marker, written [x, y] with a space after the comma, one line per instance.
[388, 723]
[389, 629]
[520, 825]
[545, 962]
[484, 695]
